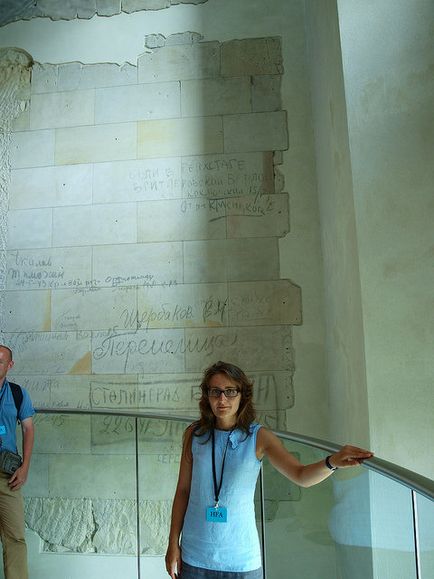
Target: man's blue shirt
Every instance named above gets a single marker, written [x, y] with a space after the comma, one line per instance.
[8, 416]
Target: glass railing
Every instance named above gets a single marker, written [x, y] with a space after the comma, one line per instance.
[98, 503]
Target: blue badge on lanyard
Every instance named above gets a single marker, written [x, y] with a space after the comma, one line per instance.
[217, 514]
[2, 429]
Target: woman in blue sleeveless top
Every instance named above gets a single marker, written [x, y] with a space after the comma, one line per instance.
[213, 509]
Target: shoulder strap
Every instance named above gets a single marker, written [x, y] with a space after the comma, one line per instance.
[17, 394]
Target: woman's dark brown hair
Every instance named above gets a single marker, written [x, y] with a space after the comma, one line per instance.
[246, 411]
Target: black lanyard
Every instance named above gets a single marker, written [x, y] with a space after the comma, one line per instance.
[217, 489]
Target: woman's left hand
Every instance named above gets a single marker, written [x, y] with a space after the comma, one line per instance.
[349, 456]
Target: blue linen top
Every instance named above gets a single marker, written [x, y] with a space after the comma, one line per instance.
[232, 546]
[8, 416]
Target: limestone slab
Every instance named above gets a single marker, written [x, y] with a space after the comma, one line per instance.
[137, 102]
[180, 306]
[220, 176]
[216, 96]
[161, 438]
[96, 476]
[159, 477]
[116, 391]
[62, 433]
[32, 149]
[180, 62]
[91, 308]
[44, 78]
[51, 186]
[266, 95]
[137, 351]
[252, 56]
[22, 314]
[38, 387]
[29, 228]
[169, 392]
[138, 265]
[259, 349]
[179, 137]
[95, 225]
[142, 180]
[49, 268]
[231, 260]
[113, 435]
[75, 75]
[173, 221]
[260, 216]
[264, 303]
[256, 132]
[112, 142]
[51, 352]
[272, 390]
[62, 109]
[22, 121]
[37, 482]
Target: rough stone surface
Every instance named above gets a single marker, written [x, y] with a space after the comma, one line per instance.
[72, 9]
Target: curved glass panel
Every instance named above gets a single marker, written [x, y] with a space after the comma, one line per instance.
[80, 498]
[99, 495]
[355, 525]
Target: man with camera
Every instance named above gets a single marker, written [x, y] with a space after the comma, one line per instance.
[15, 405]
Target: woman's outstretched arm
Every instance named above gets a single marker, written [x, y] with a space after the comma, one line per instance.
[180, 502]
[305, 475]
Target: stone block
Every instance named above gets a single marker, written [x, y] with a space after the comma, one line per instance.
[113, 435]
[95, 224]
[76, 76]
[108, 7]
[266, 94]
[272, 390]
[22, 121]
[29, 228]
[93, 144]
[179, 219]
[251, 56]
[231, 260]
[62, 109]
[62, 433]
[137, 102]
[169, 393]
[130, 6]
[258, 349]
[215, 96]
[259, 216]
[179, 137]
[38, 387]
[21, 314]
[32, 149]
[92, 476]
[44, 78]
[51, 186]
[255, 132]
[51, 352]
[204, 176]
[159, 477]
[258, 303]
[49, 268]
[220, 176]
[180, 62]
[137, 351]
[91, 308]
[147, 264]
[142, 180]
[37, 482]
[180, 306]
[70, 392]
[114, 392]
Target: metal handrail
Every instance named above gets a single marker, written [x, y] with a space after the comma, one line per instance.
[408, 478]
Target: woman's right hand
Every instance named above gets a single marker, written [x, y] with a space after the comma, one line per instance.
[173, 560]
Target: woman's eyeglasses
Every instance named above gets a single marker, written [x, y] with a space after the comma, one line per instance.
[229, 392]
